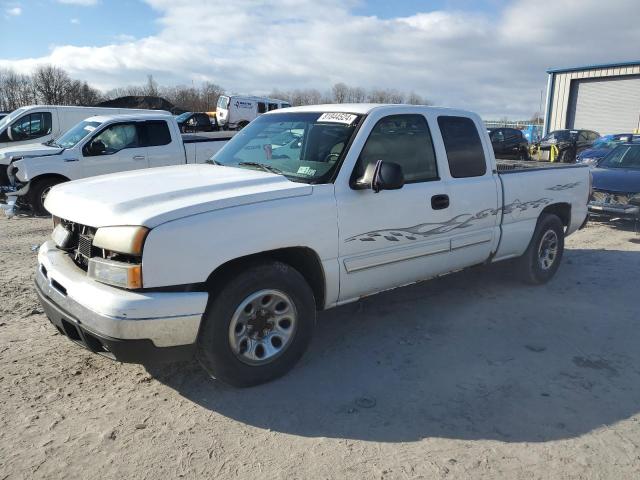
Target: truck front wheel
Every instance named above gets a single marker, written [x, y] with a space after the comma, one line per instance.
[38, 193]
[257, 326]
[541, 260]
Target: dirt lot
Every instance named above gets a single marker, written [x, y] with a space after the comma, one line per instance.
[471, 375]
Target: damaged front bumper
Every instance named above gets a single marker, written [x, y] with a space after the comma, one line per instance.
[127, 326]
[628, 211]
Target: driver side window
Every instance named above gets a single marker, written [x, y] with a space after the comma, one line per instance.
[405, 140]
[117, 137]
[31, 126]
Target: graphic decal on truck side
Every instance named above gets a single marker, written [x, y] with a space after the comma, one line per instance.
[424, 230]
[566, 186]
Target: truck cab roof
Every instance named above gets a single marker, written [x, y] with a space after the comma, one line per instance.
[125, 117]
[368, 108]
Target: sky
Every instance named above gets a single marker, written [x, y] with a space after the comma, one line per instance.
[489, 56]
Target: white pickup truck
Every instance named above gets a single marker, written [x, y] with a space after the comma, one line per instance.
[97, 146]
[304, 209]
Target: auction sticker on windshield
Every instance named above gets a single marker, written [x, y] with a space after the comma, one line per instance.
[336, 117]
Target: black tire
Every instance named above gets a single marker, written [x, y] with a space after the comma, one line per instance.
[524, 155]
[568, 156]
[214, 349]
[241, 125]
[529, 266]
[38, 192]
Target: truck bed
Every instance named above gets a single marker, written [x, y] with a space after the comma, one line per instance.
[207, 137]
[512, 166]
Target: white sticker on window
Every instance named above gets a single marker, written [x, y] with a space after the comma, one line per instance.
[89, 128]
[336, 117]
[306, 171]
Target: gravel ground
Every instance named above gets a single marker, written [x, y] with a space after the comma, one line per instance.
[471, 375]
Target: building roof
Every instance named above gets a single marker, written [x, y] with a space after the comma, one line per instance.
[593, 67]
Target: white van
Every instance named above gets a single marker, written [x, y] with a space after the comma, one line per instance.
[236, 111]
[41, 123]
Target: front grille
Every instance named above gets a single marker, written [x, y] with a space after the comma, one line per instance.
[85, 244]
[612, 198]
[81, 247]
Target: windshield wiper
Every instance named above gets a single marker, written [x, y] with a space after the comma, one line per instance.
[263, 166]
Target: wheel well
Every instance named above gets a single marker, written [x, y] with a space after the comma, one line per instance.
[48, 176]
[303, 259]
[561, 210]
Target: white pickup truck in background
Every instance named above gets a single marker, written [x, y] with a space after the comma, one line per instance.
[304, 209]
[97, 146]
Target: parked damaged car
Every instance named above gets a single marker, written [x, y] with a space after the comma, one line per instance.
[509, 143]
[602, 146]
[616, 184]
[569, 143]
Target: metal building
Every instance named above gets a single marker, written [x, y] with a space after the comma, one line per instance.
[604, 98]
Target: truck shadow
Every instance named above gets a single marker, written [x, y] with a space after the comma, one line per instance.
[474, 355]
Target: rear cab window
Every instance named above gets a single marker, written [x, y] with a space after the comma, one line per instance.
[154, 133]
[465, 153]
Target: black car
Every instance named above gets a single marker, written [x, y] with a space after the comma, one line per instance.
[192, 122]
[509, 143]
[616, 184]
[569, 143]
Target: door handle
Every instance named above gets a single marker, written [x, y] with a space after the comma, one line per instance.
[440, 202]
[139, 157]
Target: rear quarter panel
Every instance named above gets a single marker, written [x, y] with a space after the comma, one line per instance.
[528, 193]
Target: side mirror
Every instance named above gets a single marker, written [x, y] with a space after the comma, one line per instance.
[97, 147]
[16, 135]
[381, 176]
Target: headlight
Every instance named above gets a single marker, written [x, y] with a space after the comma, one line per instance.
[119, 274]
[126, 240]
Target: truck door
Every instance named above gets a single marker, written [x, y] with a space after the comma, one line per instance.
[160, 148]
[474, 206]
[116, 148]
[400, 236]
[35, 126]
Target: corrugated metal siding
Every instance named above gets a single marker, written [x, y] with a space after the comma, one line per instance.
[606, 105]
[562, 89]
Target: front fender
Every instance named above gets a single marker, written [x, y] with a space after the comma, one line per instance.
[188, 250]
[27, 169]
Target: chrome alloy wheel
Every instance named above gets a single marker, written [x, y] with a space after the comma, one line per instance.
[262, 327]
[548, 250]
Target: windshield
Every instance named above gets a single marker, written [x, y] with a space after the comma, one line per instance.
[11, 117]
[304, 147]
[561, 136]
[223, 101]
[183, 116]
[623, 156]
[71, 138]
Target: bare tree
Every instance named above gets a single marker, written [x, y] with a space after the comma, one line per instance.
[340, 93]
[52, 84]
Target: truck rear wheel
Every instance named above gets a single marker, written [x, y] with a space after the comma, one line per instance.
[38, 193]
[540, 262]
[257, 326]
[242, 124]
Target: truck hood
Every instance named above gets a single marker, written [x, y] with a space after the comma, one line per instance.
[623, 180]
[158, 195]
[29, 150]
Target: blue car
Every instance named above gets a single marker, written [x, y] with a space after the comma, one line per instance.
[616, 184]
[602, 146]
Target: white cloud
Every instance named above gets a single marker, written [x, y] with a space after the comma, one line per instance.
[75, 21]
[14, 11]
[492, 64]
[82, 3]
